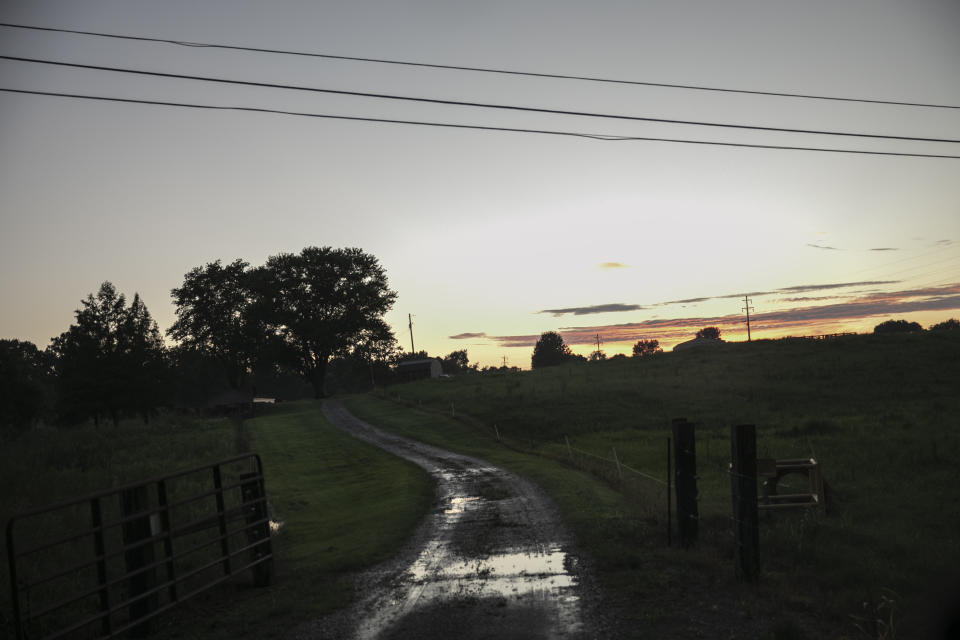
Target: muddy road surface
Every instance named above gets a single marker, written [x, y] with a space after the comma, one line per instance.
[489, 561]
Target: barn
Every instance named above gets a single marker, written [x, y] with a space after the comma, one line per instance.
[419, 369]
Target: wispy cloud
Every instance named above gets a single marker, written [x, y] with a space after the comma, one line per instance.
[821, 246]
[943, 242]
[613, 307]
[802, 288]
[798, 319]
[885, 249]
[467, 336]
[613, 265]
[809, 298]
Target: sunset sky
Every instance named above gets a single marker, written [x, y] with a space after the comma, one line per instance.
[492, 237]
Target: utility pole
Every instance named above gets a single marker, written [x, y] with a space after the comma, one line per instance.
[598, 343]
[410, 319]
[747, 308]
[504, 361]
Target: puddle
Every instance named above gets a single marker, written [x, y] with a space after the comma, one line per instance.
[458, 505]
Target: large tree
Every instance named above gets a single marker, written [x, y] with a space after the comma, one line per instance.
[549, 351]
[111, 362]
[218, 317]
[321, 303]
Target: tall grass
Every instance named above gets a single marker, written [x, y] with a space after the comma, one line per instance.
[880, 413]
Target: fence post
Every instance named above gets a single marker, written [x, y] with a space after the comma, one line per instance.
[743, 480]
[258, 528]
[569, 450]
[669, 496]
[617, 460]
[167, 539]
[685, 473]
[497, 431]
[136, 532]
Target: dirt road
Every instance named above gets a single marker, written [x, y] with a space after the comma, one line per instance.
[490, 561]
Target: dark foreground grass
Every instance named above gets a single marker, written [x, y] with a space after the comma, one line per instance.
[880, 413]
[343, 505]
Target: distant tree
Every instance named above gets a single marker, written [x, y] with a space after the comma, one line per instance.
[111, 362]
[216, 318]
[897, 326]
[550, 350]
[646, 348]
[320, 303]
[946, 325]
[25, 379]
[618, 356]
[710, 333]
[456, 362]
[598, 356]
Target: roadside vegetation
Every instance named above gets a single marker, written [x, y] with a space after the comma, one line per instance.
[879, 412]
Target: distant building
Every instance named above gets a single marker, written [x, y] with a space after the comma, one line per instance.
[419, 369]
[698, 342]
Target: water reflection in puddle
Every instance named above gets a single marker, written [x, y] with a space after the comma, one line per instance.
[458, 505]
[511, 574]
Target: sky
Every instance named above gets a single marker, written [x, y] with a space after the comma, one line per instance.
[490, 237]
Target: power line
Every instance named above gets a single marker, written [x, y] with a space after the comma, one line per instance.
[602, 137]
[531, 74]
[460, 103]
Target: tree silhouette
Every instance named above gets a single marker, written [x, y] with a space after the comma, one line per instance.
[25, 377]
[111, 361]
[897, 326]
[549, 351]
[947, 325]
[646, 348]
[710, 333]
[216, 317]
[456, 362]
[321, 303]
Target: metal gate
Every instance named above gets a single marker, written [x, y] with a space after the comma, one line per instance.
[109, 562]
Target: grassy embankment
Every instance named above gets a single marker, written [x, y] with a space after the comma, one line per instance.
[880, 413]
[344, 505]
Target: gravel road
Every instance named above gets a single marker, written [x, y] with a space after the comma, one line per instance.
[490, 561]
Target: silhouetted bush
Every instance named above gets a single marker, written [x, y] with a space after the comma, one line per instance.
[946, 325]
[897, 326]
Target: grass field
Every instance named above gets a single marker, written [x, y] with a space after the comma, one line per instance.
[343, 505]
[880, 413]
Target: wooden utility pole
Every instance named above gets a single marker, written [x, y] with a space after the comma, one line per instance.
[598, 344]
[410, 319]
[743, 480]
[747, 308]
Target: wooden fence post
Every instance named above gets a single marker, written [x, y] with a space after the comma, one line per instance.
[258, 528]
[685, 473]
[669, 496]
[743, 480]
[136, 530]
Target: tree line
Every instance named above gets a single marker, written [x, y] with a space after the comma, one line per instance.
[282, 327]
